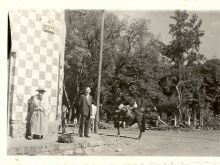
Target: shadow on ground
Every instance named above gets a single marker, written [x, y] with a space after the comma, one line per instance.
[111, 135]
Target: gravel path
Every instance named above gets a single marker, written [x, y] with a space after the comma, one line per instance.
[159, 143]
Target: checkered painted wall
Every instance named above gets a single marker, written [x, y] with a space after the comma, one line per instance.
[38, 41]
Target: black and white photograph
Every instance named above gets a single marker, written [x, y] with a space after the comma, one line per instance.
[111, 82]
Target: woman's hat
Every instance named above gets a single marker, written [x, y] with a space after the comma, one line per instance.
[41, 89]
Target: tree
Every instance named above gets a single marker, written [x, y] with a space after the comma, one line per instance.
[186, 36]
[211, 78]
[136, 63]
[82, 50]
[76, 54]
[183, 50]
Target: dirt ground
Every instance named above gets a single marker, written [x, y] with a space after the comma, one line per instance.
[159, 143]
[152, 143]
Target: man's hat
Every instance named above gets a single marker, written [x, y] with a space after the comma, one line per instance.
[41, 89]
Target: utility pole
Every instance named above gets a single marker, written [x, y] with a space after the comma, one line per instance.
[99, 73]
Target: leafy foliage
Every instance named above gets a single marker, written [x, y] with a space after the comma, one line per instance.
[137, 66]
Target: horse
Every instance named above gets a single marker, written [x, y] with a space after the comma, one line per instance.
[131, 116]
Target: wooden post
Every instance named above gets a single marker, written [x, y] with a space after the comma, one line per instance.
[175, 120]
[99, 73]
[188, 116]
[58, 89]
[67, 98]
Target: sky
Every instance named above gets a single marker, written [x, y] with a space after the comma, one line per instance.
[160, 21]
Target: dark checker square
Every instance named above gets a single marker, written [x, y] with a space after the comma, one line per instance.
[23, 29]
[22, 63]
[22, 46]
[30, 40]
[56, 46]
[14, 71]
[35, 82]
[31, 23]
[53, 92]
[48, 68]
[24, 13]
[27, 90]
[29, 57]
[48, 84]
[37, 49]
[42, 75]
[28, 73]
[55, 61]
[37, 33]
[13, 87]
[54, 77]
[20, 80]
[42, 59]
[16, 36]
[13, 54]
[49, 52]
[43, 43]
[36, 66]
[50, 37]
[17, 18]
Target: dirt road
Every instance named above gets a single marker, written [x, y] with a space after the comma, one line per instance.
[159, 143]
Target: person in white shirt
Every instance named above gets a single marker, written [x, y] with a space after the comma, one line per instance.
[135, 105]
[121, 106]
[92, 117]
[64, 119]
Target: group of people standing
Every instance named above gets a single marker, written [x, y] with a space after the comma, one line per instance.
[39, 109]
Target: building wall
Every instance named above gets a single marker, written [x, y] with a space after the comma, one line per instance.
[36, 59]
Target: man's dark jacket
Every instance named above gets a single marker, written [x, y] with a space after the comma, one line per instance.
[85, 105]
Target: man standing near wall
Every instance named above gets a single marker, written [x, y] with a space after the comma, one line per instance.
[85, 107]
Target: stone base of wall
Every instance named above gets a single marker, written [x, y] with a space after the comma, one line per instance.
[18, 128]
[50, 146]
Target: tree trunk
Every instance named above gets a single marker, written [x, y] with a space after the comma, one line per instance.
[194, 118]
[188, 117]
[201, 120]
[179, 98]
[77, 85]
[175, 120]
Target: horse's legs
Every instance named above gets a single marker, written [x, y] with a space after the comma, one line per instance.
[118, 127]
[118, 131]
[123, 124]
[144, 123]
[140, 125]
